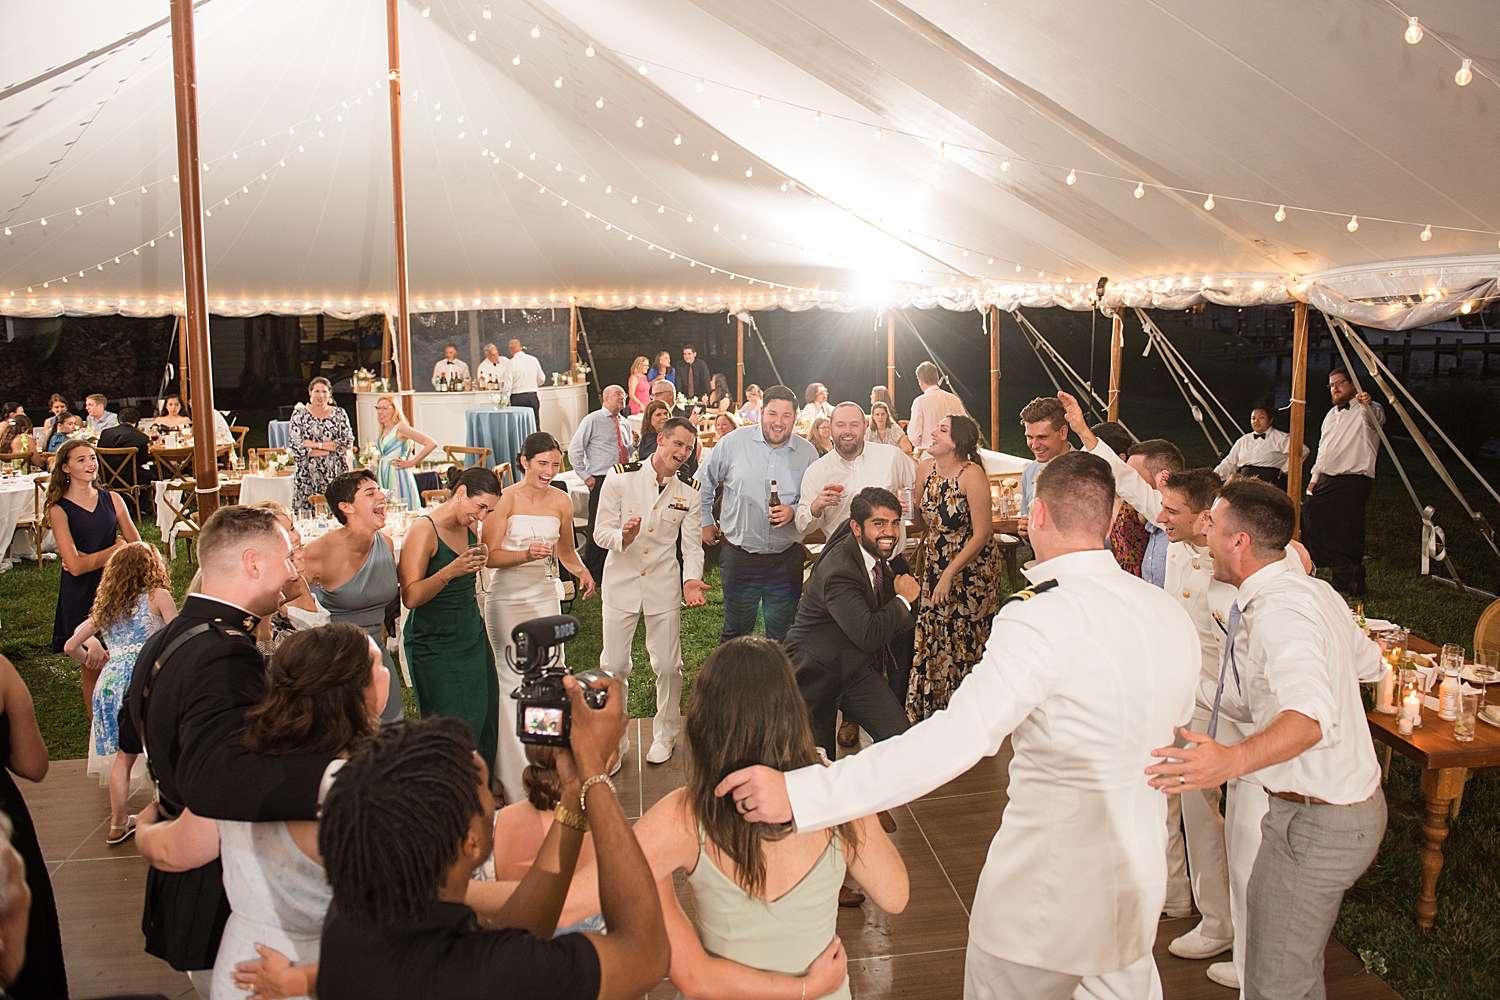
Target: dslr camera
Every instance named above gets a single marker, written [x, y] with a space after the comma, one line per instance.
[543, 711]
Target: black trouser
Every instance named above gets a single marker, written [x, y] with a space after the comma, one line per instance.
[1333, 528]
[898, 674]
[854, 687]
[532, 400]
[1270, 474]
[593, 553]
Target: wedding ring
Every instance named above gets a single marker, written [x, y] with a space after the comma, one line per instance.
[1181, 779]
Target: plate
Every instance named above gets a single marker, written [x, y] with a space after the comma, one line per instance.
[1490, 714]
[1469, 675]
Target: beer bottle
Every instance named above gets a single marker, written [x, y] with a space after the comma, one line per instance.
[775, 497]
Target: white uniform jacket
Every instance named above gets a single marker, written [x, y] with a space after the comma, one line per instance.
[643, 576]
[1086, 677]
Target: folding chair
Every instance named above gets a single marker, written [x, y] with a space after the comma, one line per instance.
[120, 473]
[439, 495]
[172, 463]
[184, 517]
[458, 453]
[503, 473]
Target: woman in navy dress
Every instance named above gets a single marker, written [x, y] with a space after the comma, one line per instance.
[88, 524]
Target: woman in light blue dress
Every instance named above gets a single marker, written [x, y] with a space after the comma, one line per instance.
[394, 467]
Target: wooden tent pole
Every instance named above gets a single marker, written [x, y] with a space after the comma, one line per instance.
[572, 330]
[739, 365]
[1116, 361]
[1299, 410]
[182, 366]
[398, 187]
[890, 358]
[995, 377]
[194, 274]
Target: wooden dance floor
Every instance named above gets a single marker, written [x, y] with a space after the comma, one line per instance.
[943, 837]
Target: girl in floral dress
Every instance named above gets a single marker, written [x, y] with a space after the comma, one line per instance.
[132, 603]
[961, 565]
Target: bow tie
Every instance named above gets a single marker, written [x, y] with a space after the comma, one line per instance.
[1343, 406]
[1260, 437]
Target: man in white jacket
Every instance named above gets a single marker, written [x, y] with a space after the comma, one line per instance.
[1082, 673]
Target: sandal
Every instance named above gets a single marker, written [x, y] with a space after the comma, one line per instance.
[119, 834]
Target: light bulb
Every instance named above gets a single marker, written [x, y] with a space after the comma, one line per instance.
[714, 157]
[678, 140]
[589, 51]
[44, 222]
[1464, 75]
[641, 69]
[640, 123]
[1353, 223]
[749, 171]
[942, 149]
[1280, 213]
[1072, 177]
[756, 102]
[609, 189]
[966, 253]
[536, 31]
[990, 261]
[690, 218]
[599, 103]
[426, 11]
[878, 133]
[698, 86]
[1018, 268]
[473, 36]
[661, 209]
[1413, 31]
[818, 118]
[515, 60]
[1427, 234]
[783, 185]
[1041, 274]
[487, 13]
[582, 178]
[635, 198]
[1208, 203]
[1140, 189]
[111, 201]
[1005, 164]
[557, 82]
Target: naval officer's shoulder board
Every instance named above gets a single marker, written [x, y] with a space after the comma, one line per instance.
[1027, 593]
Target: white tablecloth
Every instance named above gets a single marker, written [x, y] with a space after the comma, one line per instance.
[254, 489]
[17, 504]
[577, 492]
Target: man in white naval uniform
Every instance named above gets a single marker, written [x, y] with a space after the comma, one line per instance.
[643, 509]
[1220, 860]
[1082, 674]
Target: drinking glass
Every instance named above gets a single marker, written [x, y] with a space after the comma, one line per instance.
[320, 513]
[1452, 657]
[1468, 716]
[549, 564]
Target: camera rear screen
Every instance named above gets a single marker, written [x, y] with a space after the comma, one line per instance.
[540, 720]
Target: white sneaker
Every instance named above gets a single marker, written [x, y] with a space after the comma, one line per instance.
[1224, 974]
[620, 756]
[660, 753]
[1193, 945]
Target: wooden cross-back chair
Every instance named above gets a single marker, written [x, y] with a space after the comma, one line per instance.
[503, 473]
[184, 525]
[120, 473]
[239, 433]
[36, 521]
[460, 455]
[172, 463]
[430, 495]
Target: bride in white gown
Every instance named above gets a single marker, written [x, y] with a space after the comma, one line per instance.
[527, 541]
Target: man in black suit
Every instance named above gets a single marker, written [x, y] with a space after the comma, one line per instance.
[193, 683]
[853, 608]
[126, 434]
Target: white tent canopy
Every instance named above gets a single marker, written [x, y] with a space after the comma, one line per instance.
[828, 152]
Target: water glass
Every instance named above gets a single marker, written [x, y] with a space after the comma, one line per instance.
[1452, 658]
[1468, 716]
[320, 511]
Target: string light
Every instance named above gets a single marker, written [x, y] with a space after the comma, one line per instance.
[536, 31]
[426, 11]
[642, 69]
[487, 13]
[1413, 31]
[1004, 165]
[1140, 189]
[878, 133]
[1465, 75]
[516, 59]
[473, 36]
[557, 83]
[677, 141]
[756, 102]
[1208, 203]
[749, 171]
[942, 149]
[698, 86]
[714, 156]
[1353, 224]
[1072, 177]
[1426, 234]
[589, 50]
[599, 103]
[1280, 215]
[640, 122]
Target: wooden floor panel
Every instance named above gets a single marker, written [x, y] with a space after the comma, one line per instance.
[943, 837]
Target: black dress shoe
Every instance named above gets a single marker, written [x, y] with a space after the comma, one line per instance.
[887, 821]
[850, 896]
[849, 735]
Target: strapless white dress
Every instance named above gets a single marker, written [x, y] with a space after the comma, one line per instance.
[514, 595]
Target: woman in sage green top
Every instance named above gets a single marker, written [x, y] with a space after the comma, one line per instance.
[766, 901]
[447, 649]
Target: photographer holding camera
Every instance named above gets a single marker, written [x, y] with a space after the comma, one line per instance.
[405, 825]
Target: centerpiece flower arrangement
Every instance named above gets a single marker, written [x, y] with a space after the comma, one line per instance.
[580, 371]
[364, 380]
[501, 400]
[368, 456]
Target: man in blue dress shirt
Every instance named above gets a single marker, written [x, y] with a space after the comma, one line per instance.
[601, 442]
[760, 565]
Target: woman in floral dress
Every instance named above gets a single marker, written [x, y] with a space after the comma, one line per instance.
[961, 565]
[320, 440]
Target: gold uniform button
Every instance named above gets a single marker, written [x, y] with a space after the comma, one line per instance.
[1186, 594]
[643, 572]
[650, 529]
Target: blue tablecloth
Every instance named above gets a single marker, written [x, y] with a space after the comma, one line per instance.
[279, 433]
[501, 431]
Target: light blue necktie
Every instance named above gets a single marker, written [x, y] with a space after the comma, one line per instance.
[1228, 664]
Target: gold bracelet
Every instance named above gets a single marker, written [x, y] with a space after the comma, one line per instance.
[804, 988]
[568, 817]
[590, 783]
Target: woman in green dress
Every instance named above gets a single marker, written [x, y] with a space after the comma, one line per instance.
[447, 649]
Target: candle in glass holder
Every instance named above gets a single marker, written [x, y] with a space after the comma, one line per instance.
[1411, 708]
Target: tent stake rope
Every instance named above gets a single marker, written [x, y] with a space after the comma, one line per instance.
[1180, 381]
[1195, 382]
[1083, 388]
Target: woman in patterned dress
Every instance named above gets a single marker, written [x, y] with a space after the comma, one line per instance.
[133, 602]
[961, 565]
[320, 440]
[393, 472]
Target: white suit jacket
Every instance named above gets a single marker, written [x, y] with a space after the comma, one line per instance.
[643, 576]
[1086, 678]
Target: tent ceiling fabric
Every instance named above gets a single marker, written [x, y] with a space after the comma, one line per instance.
[985, 110]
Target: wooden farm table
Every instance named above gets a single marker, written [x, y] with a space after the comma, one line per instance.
[1445, 763]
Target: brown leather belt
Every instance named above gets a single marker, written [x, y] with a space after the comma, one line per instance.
[1306, 800]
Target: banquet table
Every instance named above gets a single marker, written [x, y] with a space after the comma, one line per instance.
[17, 504]
[1446, 763]
[254, 489]
[279, 433]
[501, 431]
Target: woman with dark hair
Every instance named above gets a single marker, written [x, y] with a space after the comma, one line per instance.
[656, 415]
[319, 440]
[328, 688]
[719, 399]
[884, 429]
[173, 416]
[447, 649]
[527, 541]
[57, 408]
[960, 569]
[88, 524]
[662, 368]
[817, 404]
[766, 899]
[819, 435]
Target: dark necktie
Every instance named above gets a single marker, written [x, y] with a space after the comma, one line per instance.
[887, 658]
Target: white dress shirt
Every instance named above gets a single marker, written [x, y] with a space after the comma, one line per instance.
[878, 464]
[524, 374]
[1297, 649]
[448, 369]
[1086, 678]
[1269, 451]
[927, 410]
[493, 372]
[1349, 443]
